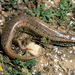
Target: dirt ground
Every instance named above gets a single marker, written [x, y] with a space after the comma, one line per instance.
[55, 60]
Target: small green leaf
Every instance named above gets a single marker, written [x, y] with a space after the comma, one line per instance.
[68, 22]
[46, 42]
[73, 28]
[73, 5]
[31, 2]
[42, 18]
[60, 23]
[42, 6]
[7, 74]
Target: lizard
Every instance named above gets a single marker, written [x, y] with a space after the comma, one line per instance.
[34, 24]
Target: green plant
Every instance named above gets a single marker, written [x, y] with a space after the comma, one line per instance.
[38, 73]
[44, 40]
[11, 0]
[30, 63]
[61, 12]
[19, 65]
[14, 1]
[68, 22]
[46, 69]
[73, 28]
[17, 61]
[44, 14]
[37, 11]
[14, 72]
[63, 8]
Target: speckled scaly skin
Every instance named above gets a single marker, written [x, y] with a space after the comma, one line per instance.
[33, 24]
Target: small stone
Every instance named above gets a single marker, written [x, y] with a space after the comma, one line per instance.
[71, 22]
[52, 57]
[55, 48]
[74, 52]
[55, 60]
[9, 18]
[41, 64]
[51, 64]
[1, 23]
[33, 73]
[73, 1]
[51, 1]
[13, 48]
[70, 52]
[69, 14]
[60, 74]
[45, 4]
[74, 47]
[41, 61]
[35, 49]
[46, 64]
[63, 55]
[70, 61]
[66, 60]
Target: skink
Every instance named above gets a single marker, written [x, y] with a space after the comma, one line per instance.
[34, 24]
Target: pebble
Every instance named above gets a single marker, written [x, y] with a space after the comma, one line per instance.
[56, 60]
[62, 58]
[73, 1]
[71, 22]
[1, 23]
[33, 73]
[68, 14]
[63, 55]
[72, 18]
[70, 61]
[45, 4]
[74, 52]
[51, 1]
[17, 48]
[34, 70]
[9, 18]
[55, 48]
[70, 52]
[41, 64]
[60, 74]
[56, 56]
[66, 60]
[13, 10]
[46, 64]
[58, 52]
[13, 48]
[2, 73]
[52, 57]
[41, 61]
[74, 47]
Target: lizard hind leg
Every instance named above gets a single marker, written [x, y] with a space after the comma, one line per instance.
[19, 43]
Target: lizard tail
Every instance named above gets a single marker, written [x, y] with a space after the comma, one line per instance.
[12, 55]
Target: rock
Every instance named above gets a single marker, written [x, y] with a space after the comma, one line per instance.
[35, 49]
